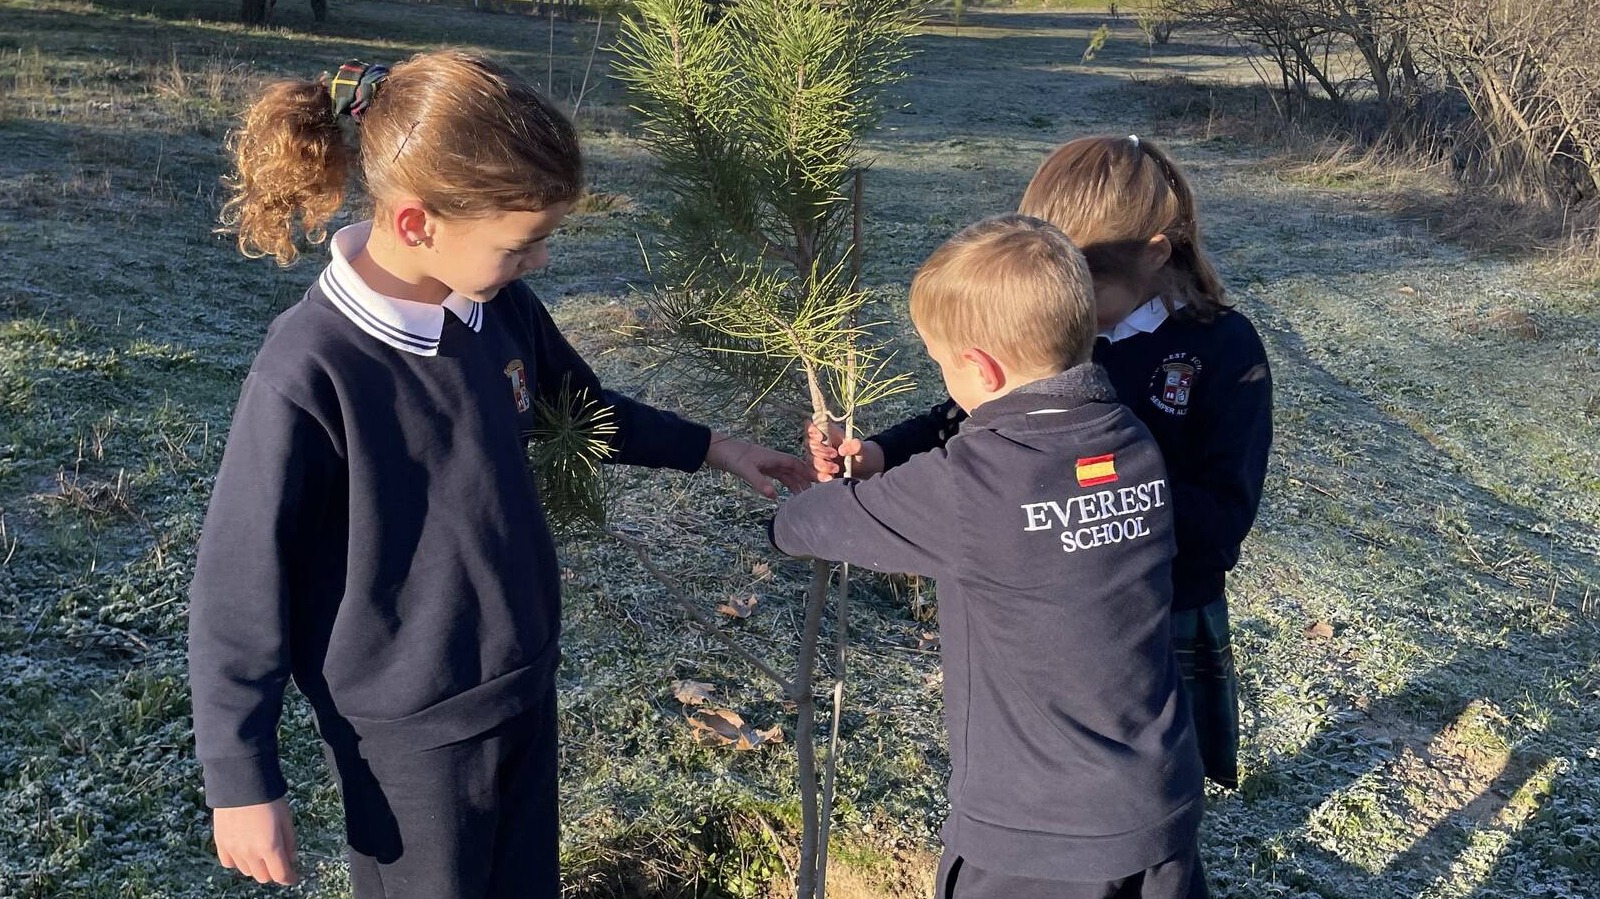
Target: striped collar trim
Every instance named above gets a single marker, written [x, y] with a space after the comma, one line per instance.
[1143, 320]
[403, 324]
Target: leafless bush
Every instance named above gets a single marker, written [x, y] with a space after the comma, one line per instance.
[1529, 74]
[1508, 92]
[1158, 19]
[1346, 51]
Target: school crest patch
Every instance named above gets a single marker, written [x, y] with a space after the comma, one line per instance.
[1172, 385]
[517, 374]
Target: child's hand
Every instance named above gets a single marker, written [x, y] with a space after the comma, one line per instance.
[826, 455]
[258, 840]
[758, 466]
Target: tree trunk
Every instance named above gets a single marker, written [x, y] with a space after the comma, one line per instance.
[253, 12]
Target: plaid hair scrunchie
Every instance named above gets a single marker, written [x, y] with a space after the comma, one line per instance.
[354, 86]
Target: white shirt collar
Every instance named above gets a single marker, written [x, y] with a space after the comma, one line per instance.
[403, 324]
[1143, 320]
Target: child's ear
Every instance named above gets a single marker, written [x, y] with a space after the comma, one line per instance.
[1157, 252]
[990, 372]
[412, 224]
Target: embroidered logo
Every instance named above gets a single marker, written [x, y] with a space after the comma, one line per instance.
[1097, 470]
[1103, 517]
[1173, 383]
[518, 375]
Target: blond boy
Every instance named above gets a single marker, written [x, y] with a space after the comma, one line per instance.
[1047, 522]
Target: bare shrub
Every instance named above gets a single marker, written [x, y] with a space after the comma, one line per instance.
[1507, 92]
[1529, 74]
[1158, 19]
[1529, 77]
[1344, 50]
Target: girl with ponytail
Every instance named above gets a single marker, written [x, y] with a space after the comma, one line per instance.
[374, 534]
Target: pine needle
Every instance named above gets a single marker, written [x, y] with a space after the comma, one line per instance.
[573, 438]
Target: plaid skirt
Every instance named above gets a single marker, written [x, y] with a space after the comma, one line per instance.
[1200, 637]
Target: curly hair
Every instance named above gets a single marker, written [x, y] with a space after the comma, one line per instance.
[451, 129]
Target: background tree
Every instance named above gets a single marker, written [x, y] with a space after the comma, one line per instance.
[1507, 91]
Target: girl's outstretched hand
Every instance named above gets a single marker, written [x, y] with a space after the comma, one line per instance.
[827, 455]
[758, 466]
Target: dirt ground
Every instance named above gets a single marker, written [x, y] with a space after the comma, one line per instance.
[1433, 497]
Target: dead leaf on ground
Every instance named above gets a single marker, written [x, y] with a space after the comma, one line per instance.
[1515, 322]
[929, 640]
[1408, 290]
[723, 727]
[761, 570]
[1320, 630]
[739, 606]
[692, 692]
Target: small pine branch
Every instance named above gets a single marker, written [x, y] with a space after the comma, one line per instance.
[572, 439]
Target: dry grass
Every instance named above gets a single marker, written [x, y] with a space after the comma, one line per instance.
[1417, 181]
[100, 501]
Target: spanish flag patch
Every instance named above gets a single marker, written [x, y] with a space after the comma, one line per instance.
[1097, 470]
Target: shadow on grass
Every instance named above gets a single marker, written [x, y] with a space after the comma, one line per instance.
[1465, 772]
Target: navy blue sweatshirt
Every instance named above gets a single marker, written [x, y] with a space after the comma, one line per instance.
[1205, 391]
[1048, 522]
[374, 531]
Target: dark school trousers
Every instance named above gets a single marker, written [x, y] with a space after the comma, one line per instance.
[475, 819]
[1179, 877]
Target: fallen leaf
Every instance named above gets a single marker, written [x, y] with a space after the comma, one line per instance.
[930, 640]
[1408, 290]
[1321, 630]
[761, 570]
[755, 739]
[739, 606]
[722, 727]
[716, 727]
[692, 692]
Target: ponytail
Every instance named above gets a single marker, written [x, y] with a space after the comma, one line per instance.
[291, 167]
[464, 136]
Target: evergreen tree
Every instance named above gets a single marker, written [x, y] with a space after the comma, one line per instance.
[755, 111]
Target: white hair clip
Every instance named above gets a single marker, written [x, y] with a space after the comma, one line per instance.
[1135, 139]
